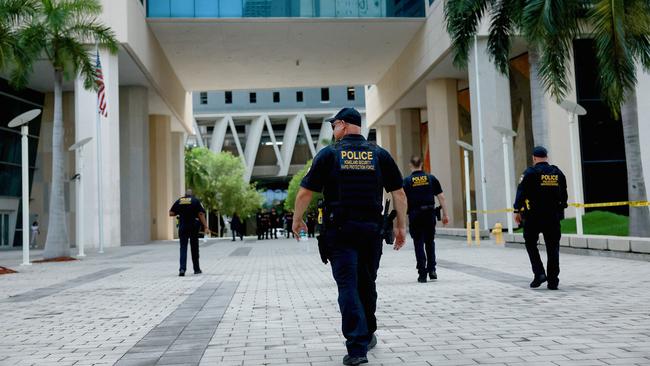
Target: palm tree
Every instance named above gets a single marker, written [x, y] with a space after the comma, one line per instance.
[61, 31]
[621, 31]
[13, 15]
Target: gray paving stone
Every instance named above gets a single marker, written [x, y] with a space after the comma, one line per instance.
[277, 306]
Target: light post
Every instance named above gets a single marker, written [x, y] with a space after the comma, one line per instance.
[22, 121]
[468, 204]
[507, 134]
[575, 109]
[78, 148]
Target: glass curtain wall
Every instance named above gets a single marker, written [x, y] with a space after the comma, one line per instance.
[285, 8]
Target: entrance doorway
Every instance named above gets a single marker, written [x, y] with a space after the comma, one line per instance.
[4, 230]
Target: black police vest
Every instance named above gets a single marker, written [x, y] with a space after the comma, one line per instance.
[420, 192]
[545, 195]
[359, 182]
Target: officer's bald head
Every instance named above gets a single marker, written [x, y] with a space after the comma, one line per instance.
[416, 163]
[188, 192]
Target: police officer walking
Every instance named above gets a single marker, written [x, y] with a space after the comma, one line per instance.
[540, 203]
[352, 174]
[420, 189]
[191, 216]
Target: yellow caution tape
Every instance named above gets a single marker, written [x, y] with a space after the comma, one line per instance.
[583, 205]
[612, 204]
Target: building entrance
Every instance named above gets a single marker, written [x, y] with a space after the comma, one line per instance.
[4, 230]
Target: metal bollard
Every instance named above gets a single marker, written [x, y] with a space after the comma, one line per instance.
[469, 233]
[477, 230]
[498, 233]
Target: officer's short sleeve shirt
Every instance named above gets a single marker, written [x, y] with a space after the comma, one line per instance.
[390, 174]
[188, 208]
[435, 184]
[322, 166]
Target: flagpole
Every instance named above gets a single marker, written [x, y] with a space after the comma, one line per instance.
[100, 200]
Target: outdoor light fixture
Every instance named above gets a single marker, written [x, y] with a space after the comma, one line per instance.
[22, 121]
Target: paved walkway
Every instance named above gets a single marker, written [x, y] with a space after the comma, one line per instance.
[273, 303]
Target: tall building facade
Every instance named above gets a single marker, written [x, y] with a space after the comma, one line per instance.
[274, 131]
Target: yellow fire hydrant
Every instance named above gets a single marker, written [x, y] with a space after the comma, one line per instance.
[498, 233]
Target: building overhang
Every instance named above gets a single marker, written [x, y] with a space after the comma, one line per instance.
[224, 54]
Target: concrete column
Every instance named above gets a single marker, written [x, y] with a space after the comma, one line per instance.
[444, 153]
[134, 165]
[178, 163]
[289, 143]
[407, 129]
[160, 168]
[218, 134]
[254, 134]
[490, 107]
[325, 134]
[85, 125]
[643, 110]
[386, 138]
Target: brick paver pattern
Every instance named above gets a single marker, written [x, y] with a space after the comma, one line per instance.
[273, 302]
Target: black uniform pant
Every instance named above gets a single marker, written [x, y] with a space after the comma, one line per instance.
[354, 254]
[422, 227]
[237, 232]
[192, 236]
[550, 228]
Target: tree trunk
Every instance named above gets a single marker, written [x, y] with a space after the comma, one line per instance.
[537, 102]
[57, 244]
[639, 216]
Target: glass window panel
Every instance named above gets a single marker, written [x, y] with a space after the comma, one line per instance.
[158, 8]
[230, 8]
[325, 8]
[207, 8]
[325, 94]
[182, 8]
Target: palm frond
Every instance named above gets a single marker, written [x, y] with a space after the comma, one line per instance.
[78, 60]
[551, 26]
[91, 31]
[506, 19]
[14, 11]
[463, 18]
[617, 71]
[637, 20]
[80, 7]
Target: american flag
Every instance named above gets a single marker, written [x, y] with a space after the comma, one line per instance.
[101, 95]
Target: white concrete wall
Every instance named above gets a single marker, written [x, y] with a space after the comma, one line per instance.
[444, 153]
[85, 126]
[134, 165]
[426, 49]
[490, 106]
[127, 18]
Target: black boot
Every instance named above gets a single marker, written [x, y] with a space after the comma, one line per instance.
[538, 281]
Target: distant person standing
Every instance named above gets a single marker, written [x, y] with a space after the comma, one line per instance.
[191, 215]
[274, 223]
[540, 203]
[35, 233]
[421, 189]
[236, 227]
[288, 223]
[222, 226]
[311, 224]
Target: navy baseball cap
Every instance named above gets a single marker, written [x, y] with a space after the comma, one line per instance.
[349, 115]
[540, 152]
